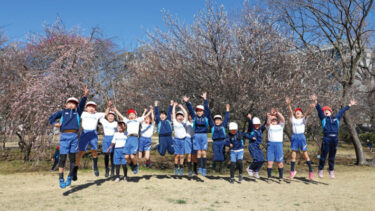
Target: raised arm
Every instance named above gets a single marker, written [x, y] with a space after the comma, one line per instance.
[282, 119]
[157, 115]
[269, 119]
[263, 127]
[152, 113]
[174, 111]
[118, 113]
[109, 104]
[226, 118]
[82, 103]
[188, 105]
[251, 126]
[146, 114]
[308, 112]
[288, 101]
[184, 110]
[170, 111]
[342, 111]
[317, 106]
[207, 112]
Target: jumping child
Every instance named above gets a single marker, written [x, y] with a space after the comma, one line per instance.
[55, 157]
[191, 154]
[119, 141]
[179, 121]
[163, 120]
[147, 130]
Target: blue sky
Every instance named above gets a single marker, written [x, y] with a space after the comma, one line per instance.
[124, 21]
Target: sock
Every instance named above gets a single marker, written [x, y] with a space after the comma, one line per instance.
[199, 162]
[95, 163]
[175, 166]
[148, 162]
[240, 166]
[181, 166]
[309, 164]
[125, 169]
[204, 161]
[293, 163]
[281, 171]
[195, 167]
[61, 175]
[117, 171]
[269, 172]
[189, 165]
[106, 160]
[232, 169]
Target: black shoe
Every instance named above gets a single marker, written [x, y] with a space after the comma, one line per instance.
[240, 178]
[96, 172]
[231, 180]
[106, 172]
[74, 174]
[112, 172]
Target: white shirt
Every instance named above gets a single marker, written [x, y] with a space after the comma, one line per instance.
[119, 139]
[90, 121]
[109, 128]
[276, 132]
[132, 126]
[179, 129]
[298, 125]
[147, 130]
[189, 126]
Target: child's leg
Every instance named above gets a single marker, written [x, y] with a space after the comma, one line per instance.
[72, 159]
[106, 160]
[56, 161]
[307, 158]
[280, 165]
[94, 154]
[324, 152]
[112, 165]
[79, 157]
[182, 157]
[147, 156]
[293, 161]
[62, 159]
[189, 162]
[269, 168]
[125, 169]
[332, 153]
[117, 171]
[140, 155]
[127, 157]
[204, 159]
[240, 166]
[199, 159]
[134, 159]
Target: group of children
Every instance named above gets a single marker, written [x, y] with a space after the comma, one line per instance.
[130, 135]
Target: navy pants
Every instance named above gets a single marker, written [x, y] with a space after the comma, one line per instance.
[55, 163]
[219, 150]
[258, 157]
[165, 144]
[329, 147]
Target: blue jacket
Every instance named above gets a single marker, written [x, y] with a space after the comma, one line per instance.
[217, 131]
[164, 126]
[200, 123]
[69, 118]
[258, 134]
[236, 140]
[330, 125]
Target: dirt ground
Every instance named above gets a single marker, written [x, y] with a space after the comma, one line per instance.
[354, 188]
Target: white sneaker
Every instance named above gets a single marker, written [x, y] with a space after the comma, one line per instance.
[332, 174]
[117, 179]
[320, 173]
[256, 175]
[250, 172]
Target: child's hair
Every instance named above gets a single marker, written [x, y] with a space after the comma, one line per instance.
[122, 124]
[163, 112]
[149, 117]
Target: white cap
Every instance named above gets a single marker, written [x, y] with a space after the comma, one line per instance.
[180, 112]
[199, 107]
[218, 117]
[112, 112]
[72, 99]
[90, 103]
[256, 121]
[233, 126]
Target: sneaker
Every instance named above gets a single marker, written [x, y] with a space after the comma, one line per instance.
[311, 176]
[250, 172]
[190, 173]
[175, 171]
[256, 175]
[112, 172]
[231, 180]
[320, 173]
[74, 173]
[96, 172]
[62, 183]
[332, 174]
[106, 172]
[68, 181]
[126, 179]
[199, 170]
[204, 172]
[181, 172]
[292, 174]
[117, 179]
[240, 178]
[135, 171]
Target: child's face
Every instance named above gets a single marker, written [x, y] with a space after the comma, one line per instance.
[274, 121]
[179, 118]
[199, 113]
[91, 109]
[111, 117]
[148, 120]
[327, 112]
[218, 121]
[121, 128]
[299, 115]
[233, 132]
[70, 105]
[257, 126]
[163, 116]
[132, 116]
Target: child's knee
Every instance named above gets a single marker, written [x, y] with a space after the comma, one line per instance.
[62, 160]
[280, 165]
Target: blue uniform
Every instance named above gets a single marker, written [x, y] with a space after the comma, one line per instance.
[330, 127]
[200, 128]
[107, 140]
[254, 145]
[236, 152]
[88, 137]
[69, 120]
[118, 156]
[165, 132]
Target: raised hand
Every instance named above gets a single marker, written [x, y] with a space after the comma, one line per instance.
[150, 107]
[179, 105]
[228, 107]
[86, 91]
[353, 102]
[145, 110]
[185, 99]
[156, 103]
[172, 102]
[115, 109]
[204, 95]
[249, 116]
[57, 125]
[109, 104]
[287, 100]
[312, 105]
[314, 97]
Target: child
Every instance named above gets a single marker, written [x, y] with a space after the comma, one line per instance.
[200, 129]
[189, 126]
[275, 142]
[131, 146]
[119, 141]
[179, 121]
[109, 127]
[89, 135]
[69, 126]
[218, 133]
[163, 120]
[330, 126]
[235, 141]
[369, 144]
[56, 158]
[256, 136]
[147, 130]
[298, 140]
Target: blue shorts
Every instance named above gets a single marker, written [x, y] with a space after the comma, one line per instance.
[107, 141]
[144, 144]
[165, 143]
[236, 155]
[275, 151]
[179, 146]
[200, 141]
[68, 143]
[88, 137]
[188, 145]
[131, 145]
[118, 156]
[298, 141]
[219, 150]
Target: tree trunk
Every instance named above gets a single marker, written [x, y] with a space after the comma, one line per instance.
[361, 159]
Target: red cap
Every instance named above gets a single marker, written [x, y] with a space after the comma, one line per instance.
[58, 147]
[327, 108]
[298, 109]
[131, 111]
